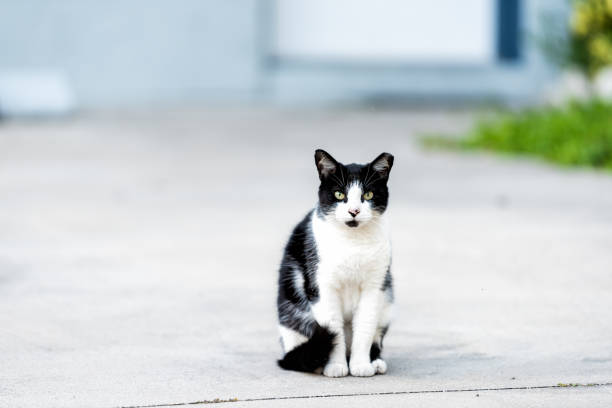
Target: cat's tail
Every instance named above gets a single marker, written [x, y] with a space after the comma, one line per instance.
[310, 355]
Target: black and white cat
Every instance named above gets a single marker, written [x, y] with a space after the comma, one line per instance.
[335, 287]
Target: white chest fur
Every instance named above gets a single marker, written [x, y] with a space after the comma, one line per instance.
[351, 259]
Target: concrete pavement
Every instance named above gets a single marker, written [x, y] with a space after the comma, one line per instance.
[138, 256]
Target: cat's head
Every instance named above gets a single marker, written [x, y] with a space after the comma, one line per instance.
[352, 194]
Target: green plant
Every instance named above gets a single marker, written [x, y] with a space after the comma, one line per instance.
[578, 134]
[591, 35]
[585, 42]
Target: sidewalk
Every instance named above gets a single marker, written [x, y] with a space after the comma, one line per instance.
[138, 257]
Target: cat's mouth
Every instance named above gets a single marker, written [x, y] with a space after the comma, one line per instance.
[352, 223]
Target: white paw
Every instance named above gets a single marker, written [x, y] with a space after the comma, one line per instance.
[362, 369]
[380, 366]
[335, 370]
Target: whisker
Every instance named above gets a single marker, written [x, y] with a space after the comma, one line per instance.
[367, 176]
[374, 181]
[338, 180]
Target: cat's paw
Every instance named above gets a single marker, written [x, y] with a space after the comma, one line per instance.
[380, 366]
[336, 370]
[362, 369]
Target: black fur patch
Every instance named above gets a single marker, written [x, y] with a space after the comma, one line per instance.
[376, 348]
[311, 355]
[387, 286]
[374, 352]
[296, 282]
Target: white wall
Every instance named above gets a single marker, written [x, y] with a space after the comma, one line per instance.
[398, 31]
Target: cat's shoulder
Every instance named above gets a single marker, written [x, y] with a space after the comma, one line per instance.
[303, 226]
[300, 236]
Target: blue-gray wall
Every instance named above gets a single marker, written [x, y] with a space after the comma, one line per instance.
[130, 52]
[122, 52]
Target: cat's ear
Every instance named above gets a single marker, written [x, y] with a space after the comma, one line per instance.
[326, 165]
[382, 164]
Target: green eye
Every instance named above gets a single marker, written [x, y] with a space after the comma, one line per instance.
[368, 195]
[339, 195]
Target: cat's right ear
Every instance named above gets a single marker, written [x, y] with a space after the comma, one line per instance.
[326, 164]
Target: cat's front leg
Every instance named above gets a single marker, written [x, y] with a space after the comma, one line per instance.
[328, 313]
[365, 322]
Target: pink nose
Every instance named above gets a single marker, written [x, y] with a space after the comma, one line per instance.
[354, 211]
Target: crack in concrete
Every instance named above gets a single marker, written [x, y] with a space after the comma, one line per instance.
[367, 394]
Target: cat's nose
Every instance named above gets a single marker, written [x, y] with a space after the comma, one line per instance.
[354, 211]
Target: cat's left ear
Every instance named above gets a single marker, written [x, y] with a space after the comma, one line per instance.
[382, 164]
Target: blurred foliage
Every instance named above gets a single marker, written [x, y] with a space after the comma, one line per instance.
[586, 43]
[578, 134]
[591, 35]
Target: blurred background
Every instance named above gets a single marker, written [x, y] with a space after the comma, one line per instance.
[73, 55]
[154, 156]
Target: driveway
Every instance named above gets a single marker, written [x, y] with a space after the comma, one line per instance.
[139, 252]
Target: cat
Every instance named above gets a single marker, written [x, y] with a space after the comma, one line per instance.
[335, 286]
